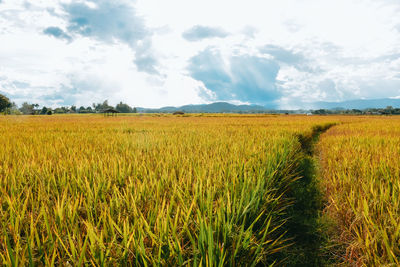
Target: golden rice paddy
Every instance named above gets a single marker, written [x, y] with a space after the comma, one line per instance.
[191, 190]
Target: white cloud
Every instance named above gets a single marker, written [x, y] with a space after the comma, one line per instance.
[325, 50]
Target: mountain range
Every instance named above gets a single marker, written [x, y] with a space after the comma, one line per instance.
[357, 104]
[224, 107]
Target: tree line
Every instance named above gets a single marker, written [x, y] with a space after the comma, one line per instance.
[8, 107]
[389, 110]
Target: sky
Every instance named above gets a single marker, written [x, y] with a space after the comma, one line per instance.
[154, 53]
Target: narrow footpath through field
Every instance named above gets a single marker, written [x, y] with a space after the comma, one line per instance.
[306, 226]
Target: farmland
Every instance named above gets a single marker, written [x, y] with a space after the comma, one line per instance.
[198, 190]
[361, 178]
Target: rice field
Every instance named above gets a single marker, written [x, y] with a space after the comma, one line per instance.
[215, 190]
[360, 165]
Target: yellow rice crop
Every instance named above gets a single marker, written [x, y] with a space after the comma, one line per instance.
[361, 176]
[147, 190]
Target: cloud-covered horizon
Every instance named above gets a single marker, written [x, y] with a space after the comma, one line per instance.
[151, 53]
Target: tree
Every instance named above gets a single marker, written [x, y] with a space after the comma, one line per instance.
[44, 111]
[123, 108]
[389, 110]
[105, 105]
[356, 111]
[82, 109]
[4, 103]
[101, 106]
[60, 110]
[26, 108]
[319, 112]
[13, 109]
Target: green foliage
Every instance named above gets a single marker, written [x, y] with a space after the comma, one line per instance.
[28, 109]
[61, 110]
[4, 103]
[101, 106]
[43, 111]
[124, 108]
[306, 225]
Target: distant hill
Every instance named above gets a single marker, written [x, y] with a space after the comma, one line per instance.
[217, 107]
[224, 107]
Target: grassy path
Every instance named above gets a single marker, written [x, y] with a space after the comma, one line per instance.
[306, 226]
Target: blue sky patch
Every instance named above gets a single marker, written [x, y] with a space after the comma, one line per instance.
[57, 33]
[244, 78]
